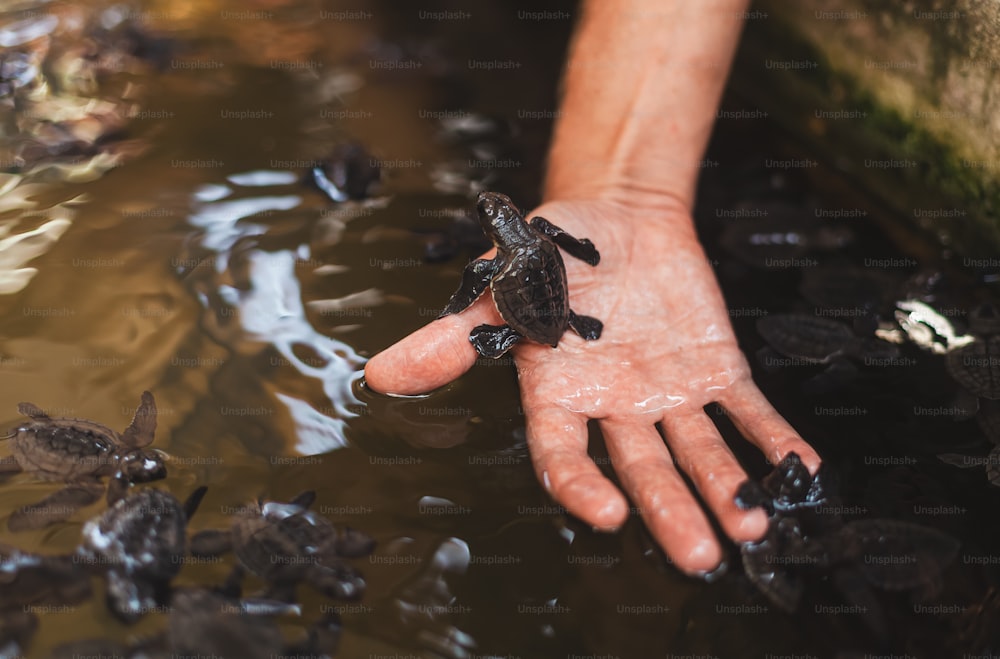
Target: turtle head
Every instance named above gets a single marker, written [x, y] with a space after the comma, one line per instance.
[496, 213]
[141, 466]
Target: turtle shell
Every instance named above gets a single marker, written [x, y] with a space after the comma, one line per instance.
[64, 449]
[977, 367]
[806, 337]
[141, 536]
[283, 538]
[531, 293]
[897, 555]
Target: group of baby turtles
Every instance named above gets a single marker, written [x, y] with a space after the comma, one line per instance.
[809, 541]
[139, 543]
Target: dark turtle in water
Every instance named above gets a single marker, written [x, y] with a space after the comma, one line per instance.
[527, 278]
[79, 452]
[286, 543]
[348, 173]
[807, 536]
[976, 366]
[28, 579]
[810, 339]
[850, 293]
[139, 543]
[206, 623]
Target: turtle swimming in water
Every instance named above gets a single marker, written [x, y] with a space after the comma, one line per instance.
[809, 339]
[79, 452]
[285, 544]
[527, 278]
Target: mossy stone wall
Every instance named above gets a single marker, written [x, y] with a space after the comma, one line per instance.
[900, 95]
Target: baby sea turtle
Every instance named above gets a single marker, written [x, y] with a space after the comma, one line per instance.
[285, 543]
[28, 579]
[79, 452]
[808, 536]
[348, 173]
[139, 544]
[207, 624]
[976, 366]
[527, 278]
[813, 340]
[849, 292]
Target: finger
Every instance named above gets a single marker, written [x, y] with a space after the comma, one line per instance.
[432, 356]
[557, 439]
[760, 423]
[701, 452]
[675, 519]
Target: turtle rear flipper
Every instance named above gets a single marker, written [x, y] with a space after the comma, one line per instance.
[580, 248]
[211, 542]
[55, 508]
[140, 432]
[586, 326]
[475, 279]
[494, 340]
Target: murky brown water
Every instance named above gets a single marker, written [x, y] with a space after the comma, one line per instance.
[202, 270]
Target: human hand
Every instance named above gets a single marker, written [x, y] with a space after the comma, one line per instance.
[667, 350]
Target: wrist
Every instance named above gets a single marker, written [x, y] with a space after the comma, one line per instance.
[621, 213]
[668, 195]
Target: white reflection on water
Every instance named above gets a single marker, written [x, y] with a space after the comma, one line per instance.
[270, 309]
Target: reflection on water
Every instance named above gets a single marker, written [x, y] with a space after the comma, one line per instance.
[156, 233]
[264, 303]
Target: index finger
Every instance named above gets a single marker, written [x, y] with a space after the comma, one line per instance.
[432, 356]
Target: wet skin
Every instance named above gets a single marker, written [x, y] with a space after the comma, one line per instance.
[667, 351]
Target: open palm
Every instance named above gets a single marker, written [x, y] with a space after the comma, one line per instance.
[667, 350]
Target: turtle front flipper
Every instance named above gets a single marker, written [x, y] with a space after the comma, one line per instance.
[33, 411]
[191, 504]
[475, 279]
[55, 508]
[140, 432]
[586, 326]
[580, 248]
[493, 340]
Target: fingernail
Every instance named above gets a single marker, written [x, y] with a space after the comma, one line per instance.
[711, 576]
